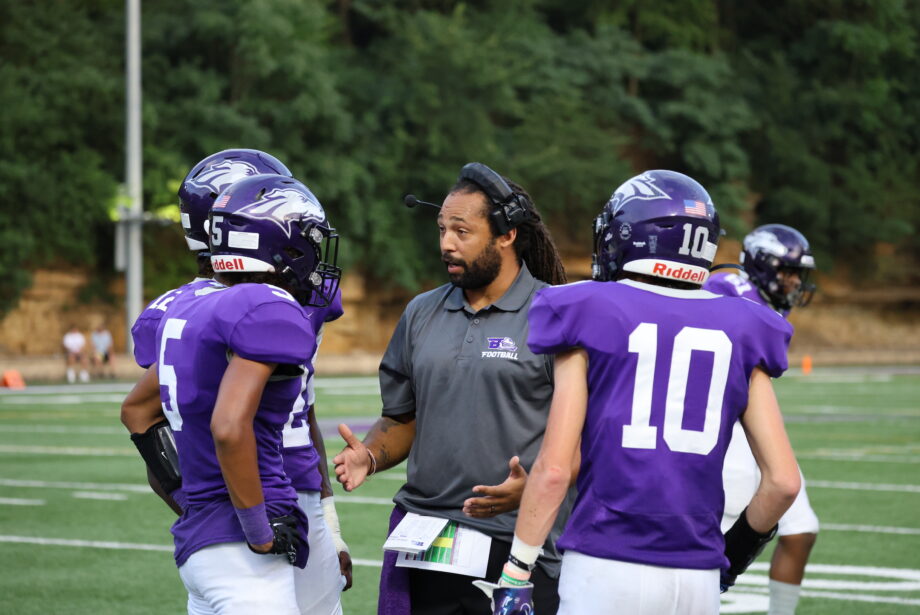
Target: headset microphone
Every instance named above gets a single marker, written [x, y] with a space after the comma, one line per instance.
[411, 201]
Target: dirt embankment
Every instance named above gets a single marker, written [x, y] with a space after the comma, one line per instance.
[844, 325]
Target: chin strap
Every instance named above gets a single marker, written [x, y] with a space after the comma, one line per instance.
[726, 266]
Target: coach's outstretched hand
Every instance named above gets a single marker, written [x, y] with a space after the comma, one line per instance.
[353, 464]
[501, 498]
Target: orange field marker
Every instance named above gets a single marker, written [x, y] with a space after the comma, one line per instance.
[12, 379]
[806, 364]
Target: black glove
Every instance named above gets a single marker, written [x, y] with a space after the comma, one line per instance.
[286, 539]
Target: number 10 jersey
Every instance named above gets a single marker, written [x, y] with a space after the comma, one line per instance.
[668, 376]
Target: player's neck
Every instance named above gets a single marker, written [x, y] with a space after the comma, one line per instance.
[479, 298]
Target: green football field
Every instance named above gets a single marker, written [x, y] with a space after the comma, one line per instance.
[81, 533]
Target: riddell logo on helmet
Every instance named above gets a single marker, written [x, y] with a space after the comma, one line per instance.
[228, 264]
[680, 273]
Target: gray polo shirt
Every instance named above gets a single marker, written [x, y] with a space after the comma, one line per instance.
[480, 397]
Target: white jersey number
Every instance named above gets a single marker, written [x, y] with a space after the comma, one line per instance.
[296, 432]
[172, 330]
[643, 341]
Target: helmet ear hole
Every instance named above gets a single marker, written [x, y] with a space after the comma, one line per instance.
[293, 253]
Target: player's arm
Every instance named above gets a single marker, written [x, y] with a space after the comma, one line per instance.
[142, 414]
[142, 408]
[387, 444]
[779, 483]
[552, 472]
[235, 443]
[549, 479]
[327, 501]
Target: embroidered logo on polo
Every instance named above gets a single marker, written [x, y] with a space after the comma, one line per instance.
[500, 348]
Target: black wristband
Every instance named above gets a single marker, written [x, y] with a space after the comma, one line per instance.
[520, 564]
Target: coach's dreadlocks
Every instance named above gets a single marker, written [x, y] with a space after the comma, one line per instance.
[534, 243]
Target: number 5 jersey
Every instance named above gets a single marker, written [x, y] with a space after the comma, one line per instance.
[199, 333]
[668, 376]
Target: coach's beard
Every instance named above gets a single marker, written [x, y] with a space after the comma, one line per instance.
[478, 274]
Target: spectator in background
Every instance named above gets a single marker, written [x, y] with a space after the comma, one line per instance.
[102, 352]
[75, 345]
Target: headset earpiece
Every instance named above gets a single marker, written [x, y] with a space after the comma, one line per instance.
[510, 211]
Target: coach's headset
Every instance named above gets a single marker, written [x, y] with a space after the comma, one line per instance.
[509, 209]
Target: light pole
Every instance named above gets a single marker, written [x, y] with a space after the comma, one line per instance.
[131, 224]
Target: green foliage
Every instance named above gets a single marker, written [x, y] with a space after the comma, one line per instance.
[60, 130]
[796, 112]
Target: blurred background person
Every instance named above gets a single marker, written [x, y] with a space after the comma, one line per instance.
[101, 358]
[75, 347]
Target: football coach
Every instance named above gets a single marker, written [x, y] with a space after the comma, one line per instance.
[465, 400]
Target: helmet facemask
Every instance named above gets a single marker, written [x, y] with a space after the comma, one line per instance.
[314, 276]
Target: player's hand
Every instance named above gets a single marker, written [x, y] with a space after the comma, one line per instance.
[498, 499]
[345, 569]
[508, 600]
[261, 549]
[286, 541]
[353, 463]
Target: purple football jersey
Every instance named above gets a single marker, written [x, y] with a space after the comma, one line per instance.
[738, 285]
[144, 330]
[668, 375]
[198, 334]
[301, 459]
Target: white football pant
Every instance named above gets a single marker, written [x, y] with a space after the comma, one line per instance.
[740, 478]
[595, 586]
[229, 579]
[319, 585]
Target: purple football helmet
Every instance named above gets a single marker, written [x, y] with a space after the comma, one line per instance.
[273, 223]
[209, 177]
[661, 224]
[770, 253]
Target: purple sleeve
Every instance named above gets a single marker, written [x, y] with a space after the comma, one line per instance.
[771, 341]
[547, 331]
[335, 309]
[144, 334]
[274, 332]
[720, 285]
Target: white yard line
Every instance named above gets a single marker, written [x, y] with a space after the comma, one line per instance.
[359, 499]
[858, 458]
[829, 484]
[871, 529]
[79, 389]
[60, 400]
[860, 597]
[67, 450]
[20, 502]
[94, 495]
[93, 544]
[41, 484]
[64, 429]
[94, 488]
[122, 546]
